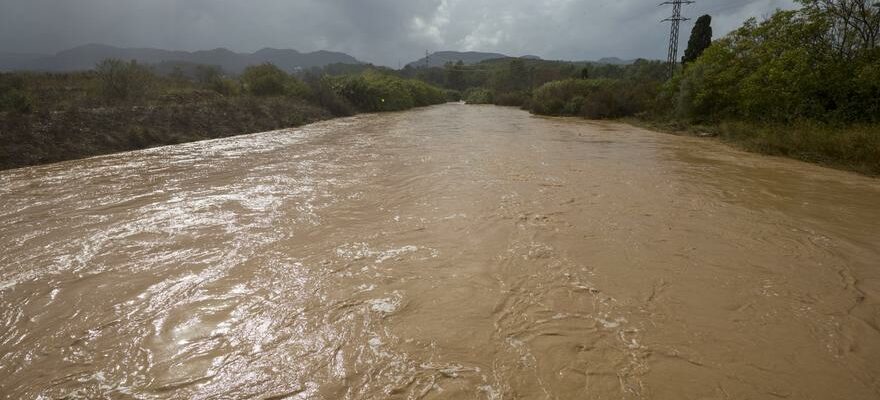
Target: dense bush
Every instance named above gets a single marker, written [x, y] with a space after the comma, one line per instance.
[211, 78]
[373, 91]
[514, 99]
[593, 98]
[16, 100]
[120, 80]
[13, 95]
[479, 96]
[269, 80]
[323, 94]
[452, 95]
[562, 97]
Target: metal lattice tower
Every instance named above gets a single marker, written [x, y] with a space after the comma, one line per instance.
[675, 20]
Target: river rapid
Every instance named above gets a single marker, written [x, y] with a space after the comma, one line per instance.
[451, 252]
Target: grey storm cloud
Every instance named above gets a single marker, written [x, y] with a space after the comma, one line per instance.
[379, 31]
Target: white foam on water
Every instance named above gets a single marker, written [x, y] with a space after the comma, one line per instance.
[386, 305]
[611, 323]
[360, 251]
[490, 391]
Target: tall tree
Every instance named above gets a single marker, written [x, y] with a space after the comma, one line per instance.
[853, 26]
[701, 38]
[455, 75]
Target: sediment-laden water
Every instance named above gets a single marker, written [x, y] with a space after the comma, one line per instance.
[448, 252]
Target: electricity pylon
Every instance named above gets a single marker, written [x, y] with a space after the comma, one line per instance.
[675, 19]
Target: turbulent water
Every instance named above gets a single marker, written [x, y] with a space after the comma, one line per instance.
[449, 252]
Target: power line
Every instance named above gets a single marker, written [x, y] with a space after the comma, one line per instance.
[675, 20]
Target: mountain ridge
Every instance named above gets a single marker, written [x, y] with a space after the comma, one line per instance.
[440, 58]
[85, 57]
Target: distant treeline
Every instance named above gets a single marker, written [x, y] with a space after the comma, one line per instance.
[123, 105]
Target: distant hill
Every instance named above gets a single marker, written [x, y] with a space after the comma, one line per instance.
[440, 58]
[614, 61]
[85, 57]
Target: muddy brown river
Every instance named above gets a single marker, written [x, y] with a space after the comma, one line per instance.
[452, 252]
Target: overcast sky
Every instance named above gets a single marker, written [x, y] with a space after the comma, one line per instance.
[378, 31]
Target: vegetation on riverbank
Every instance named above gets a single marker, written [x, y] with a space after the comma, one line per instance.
[123, 106]
[803, 83]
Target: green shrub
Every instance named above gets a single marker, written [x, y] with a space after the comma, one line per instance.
[325, 96]
[225, 86]
[269, 80]
[120, 80]
[211, 78]
[13, 96]
[596, 98]
[555, 98]
[373, 91]
[207, 75]
[514, 99]
[16, 100]
[479, 96]
[452, 95]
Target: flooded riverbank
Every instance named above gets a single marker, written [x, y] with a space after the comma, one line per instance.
[448, 252]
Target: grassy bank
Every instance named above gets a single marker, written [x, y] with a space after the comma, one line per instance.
[852, 147]
[122, 106]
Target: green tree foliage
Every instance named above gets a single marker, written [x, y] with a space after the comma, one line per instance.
[593, 98]
[374, 91]
[211, 77]
[518, 75]
[789, 67]
[701, 38]
[13, 94]
[479, 96]
[455, 78]
[120, 80]
[268, 80]
[325, 95]
[851, 26]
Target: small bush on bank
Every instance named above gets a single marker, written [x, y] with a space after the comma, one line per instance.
[596, 98]
[16, 100]
[325, 96]
[268, 80]
[452, 95]
[479, 96]
[211, 78]
[565, 97]
[373, 91]
[120, 80]
[513, 99]
[13, 96]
